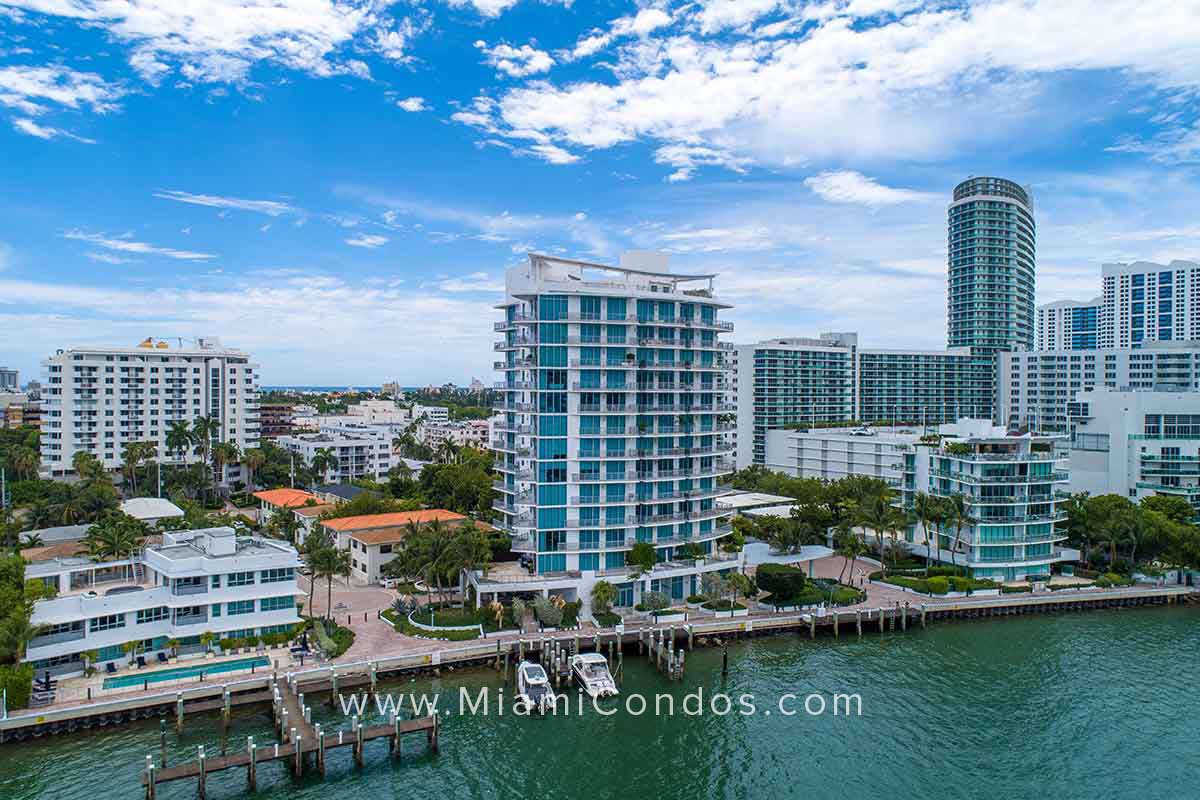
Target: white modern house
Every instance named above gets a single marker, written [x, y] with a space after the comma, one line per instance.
[98, 399]
[151, 510]
[1012, 486]
[195, 582]
[1136, 444]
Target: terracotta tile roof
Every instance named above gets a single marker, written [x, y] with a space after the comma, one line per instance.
[380, 536]
[391, 520]
[313, 511]
[285, 497]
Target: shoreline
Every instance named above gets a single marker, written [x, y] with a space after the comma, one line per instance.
[198, 697]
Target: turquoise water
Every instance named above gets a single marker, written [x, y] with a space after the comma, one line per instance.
[1099, 705]
[158, 676]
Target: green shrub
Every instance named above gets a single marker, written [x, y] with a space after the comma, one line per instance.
[653, 601]
[1111, 579]
[607, 619]
[722, 605]
[17, 682]
[781, 580]
[938, 585]
[1014, 589]
[962, 584]
[697, 598]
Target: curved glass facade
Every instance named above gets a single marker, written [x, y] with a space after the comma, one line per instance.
[992, 254]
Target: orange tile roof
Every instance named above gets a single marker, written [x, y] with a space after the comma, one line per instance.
[285, 497]
[313, 511]
[391, 520]
[380, 536]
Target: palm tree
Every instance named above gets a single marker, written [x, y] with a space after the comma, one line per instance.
[957, 516]
[204, 430]
[224, 453]
[70, 510]
[331, 563]
[253, 458]
[16, 632]
[115, 537]
[179, 439]
[87, 466]
[926, 509]
[31, 540]
[878, 514]
[323, 460]
[24, 461]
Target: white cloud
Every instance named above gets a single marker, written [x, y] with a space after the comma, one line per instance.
[412, 104]
[516, 62]
[475, 282]
[553, 154]
[28, 88]
[717, 15]
[486, 8]
[1176, 144]
[368, 240]
[272, 208]
[32, 128]
[126, 244]
[686, 158]
[848, 186]
[220, 40]
[280, 305]
[914, 84]
[109, 258]
[645, 22]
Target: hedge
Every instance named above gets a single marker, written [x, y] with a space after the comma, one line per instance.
[17, 681]
[781, 580]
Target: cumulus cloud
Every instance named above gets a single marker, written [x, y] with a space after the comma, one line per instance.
[220, 41]
[272, 208]
[864, 80]
[848, 186]
[412, 104]
[646, 21]
[516, 62]
[127, 244]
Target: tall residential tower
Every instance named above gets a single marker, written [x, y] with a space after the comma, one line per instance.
[991, 242]
[611, 426]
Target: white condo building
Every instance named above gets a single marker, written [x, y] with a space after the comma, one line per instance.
[1034, 389]
[361, 450]
[98, 399]
[1136, 444]
[611, 425]
[195, 582]
[1148, 302]
[1008, 482]
[1068, 325]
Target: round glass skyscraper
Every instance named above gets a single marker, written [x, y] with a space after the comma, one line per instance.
[992, 248]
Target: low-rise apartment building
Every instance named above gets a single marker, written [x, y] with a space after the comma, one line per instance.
[195, 582]
[360, 451]
[1010, 485]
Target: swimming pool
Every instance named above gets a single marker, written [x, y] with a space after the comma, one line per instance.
[208, 668]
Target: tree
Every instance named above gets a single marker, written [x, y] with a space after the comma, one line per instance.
[224, 453]
[878, 514]
[1173, 507]
[314, 545]
[1079, 523]
[283, 524]
[330, 562]
[116, 536]
[87, 466]
[204, 431]
[25, 461]
[849, 546]
[254, 458]
[957, 515]
[324, 460]
[179, 439]
[603, 596]
[927, 510]
[642, 556]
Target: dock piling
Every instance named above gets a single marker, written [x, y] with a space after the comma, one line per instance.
[200, 762]
[251, 765]
[858, 622]
[299, 756]
[179, 711]
[150, 786]
[162, 742]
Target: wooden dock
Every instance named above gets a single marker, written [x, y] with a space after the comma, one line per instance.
[300, 740]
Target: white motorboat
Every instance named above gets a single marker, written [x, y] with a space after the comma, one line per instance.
[533, 687]
[591, 670]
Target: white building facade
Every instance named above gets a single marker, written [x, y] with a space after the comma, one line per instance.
[360, 450]
[1009, 483]
[195, 582]
[1147, 302]
[1034, 389]
[1069, 325]
[98, 399]
[1136, 444]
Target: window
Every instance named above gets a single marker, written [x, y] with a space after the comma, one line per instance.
[277, 603]
[216, 581]
[148, 615]
[278, 575]
[240, 607]
[240, 579]
[108, 623]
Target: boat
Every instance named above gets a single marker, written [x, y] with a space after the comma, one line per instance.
[591, 670]
[533, 687]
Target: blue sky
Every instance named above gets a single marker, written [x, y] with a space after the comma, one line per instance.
[338, 185]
